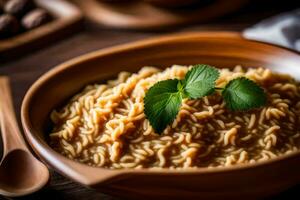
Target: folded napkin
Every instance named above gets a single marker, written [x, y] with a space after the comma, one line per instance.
[283, 30]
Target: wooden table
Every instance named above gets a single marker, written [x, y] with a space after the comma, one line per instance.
[24, 71]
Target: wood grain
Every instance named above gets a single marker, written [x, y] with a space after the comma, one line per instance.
[25, 70]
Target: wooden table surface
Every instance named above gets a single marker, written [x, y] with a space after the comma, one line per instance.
[25, 70]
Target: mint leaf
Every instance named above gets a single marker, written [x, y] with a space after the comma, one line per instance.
[162, 103]
[242, 94]
[200, 81]
[163, 100]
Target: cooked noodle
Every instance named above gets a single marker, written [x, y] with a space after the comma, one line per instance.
[105, 125]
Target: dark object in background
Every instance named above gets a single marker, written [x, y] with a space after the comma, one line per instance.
[163, 3]
[66, 19]
[20, 15]
[18, 7]
[9, 25]
[2, 2]
[35, 18]
[172, 3]
[115, 1]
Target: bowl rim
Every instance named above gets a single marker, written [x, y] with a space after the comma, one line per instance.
[73, 169]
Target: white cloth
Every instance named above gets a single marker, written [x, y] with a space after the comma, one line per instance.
[283, 30]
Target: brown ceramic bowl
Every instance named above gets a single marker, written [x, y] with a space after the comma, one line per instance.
[221, 49]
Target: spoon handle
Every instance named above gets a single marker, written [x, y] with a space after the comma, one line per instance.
[11, 135]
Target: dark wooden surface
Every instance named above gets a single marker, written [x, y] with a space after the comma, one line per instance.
[25, 70]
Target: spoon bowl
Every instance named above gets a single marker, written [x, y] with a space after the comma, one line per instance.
[20, 172]
[15, 170]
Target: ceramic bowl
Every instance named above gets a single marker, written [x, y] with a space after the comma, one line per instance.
[222, 49]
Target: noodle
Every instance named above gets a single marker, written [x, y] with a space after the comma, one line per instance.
[105, 125]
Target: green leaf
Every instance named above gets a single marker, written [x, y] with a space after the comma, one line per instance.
[242, 94]
[162, 103]
[200, 81]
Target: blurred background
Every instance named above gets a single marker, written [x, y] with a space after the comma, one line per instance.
[33, 24]
[36, 35]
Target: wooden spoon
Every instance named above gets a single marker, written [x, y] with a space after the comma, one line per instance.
[20, 172]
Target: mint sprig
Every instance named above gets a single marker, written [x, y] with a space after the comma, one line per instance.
[163, 100]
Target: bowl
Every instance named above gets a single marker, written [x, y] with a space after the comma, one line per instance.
[222, 49]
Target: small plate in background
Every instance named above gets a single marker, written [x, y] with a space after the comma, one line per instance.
[139, 15]
[66, 19]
